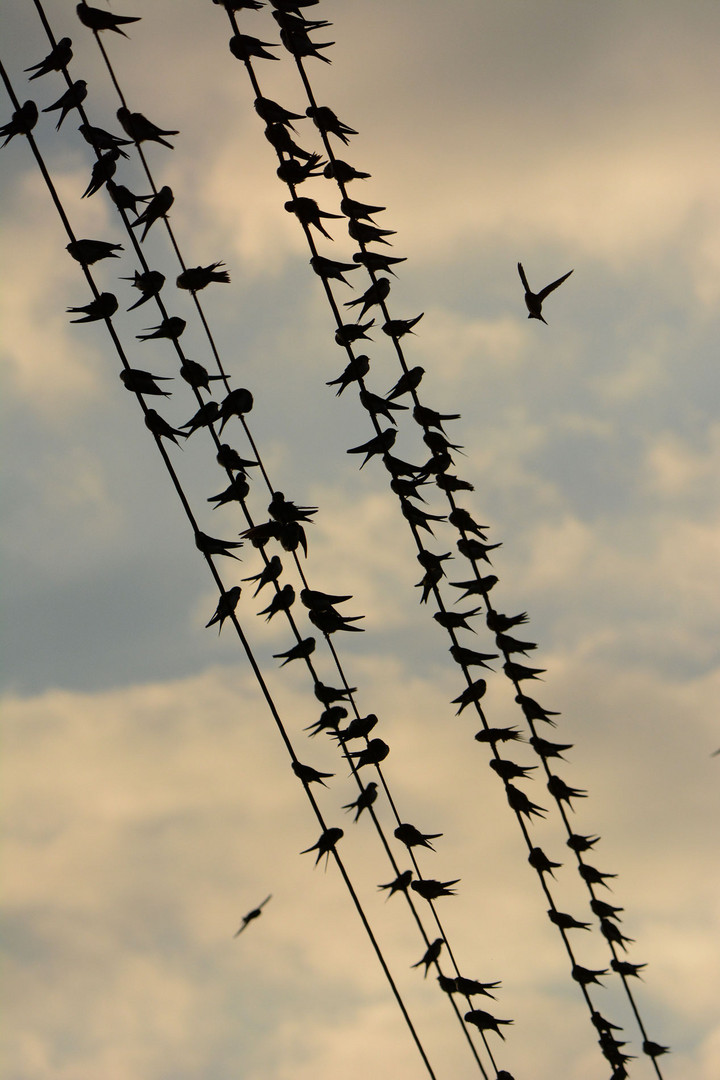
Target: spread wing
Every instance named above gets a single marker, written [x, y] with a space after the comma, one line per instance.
[549, 288]
[524, 280]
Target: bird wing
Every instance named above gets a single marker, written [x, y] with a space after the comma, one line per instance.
[549, 288]
[524, 280]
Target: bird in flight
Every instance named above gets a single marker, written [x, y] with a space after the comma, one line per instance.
[534, 301]
[254, 914]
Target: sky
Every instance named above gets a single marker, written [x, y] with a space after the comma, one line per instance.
[149, 803]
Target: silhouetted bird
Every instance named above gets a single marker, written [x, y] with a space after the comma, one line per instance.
[97, 19]
[245, 47]
[292, 171]
[566, 921]
[431, 890]
[511, 645]
[499, 734]
[198, 377]
[329, 719]
[328, 620]
[56, 60]
[309, 775]
[540, 862]
[315, 600]
[455, 620]
[340, 170]
[448, 985]
[400, 884]
[281, 601]
[329, 694]
[432, 953]
[236, 403]
[378, 406]
[254, 914]
[510, 770]
[474, 549]
[237, 491]
[358, 728]
[602, 1024]
[624, 967]
[350, 332]
[534, 301]
[500, 623]
[408, 381]
[611, 931]
[309, 213]
[475, 587]
[533, 711]
[226, 606]
[226, 456]
[102, 171]
[87, 252]
[604, 910]
[206, 415]
[485, 1022]
[102, 307]
[325, 843]
[71, 99]
[521, 803]
[518, 672]
[412, 837]
[301, 651]
[149, 282]
[471, 694]
[417, 517]
[431, 418]
[329, 268]
[143, 382]
[365, 233]
[379, 444]
[563, 792]
[377, 261]
[22, 121]
[157, 208]
[397, 328]
[549, 749]
[285, 510]
[584, 975]
[297, 42]
[364, 800]
[327, 122]
[376, 293]
[199, 277]
[270, 572]
[375, 752]
[354, 209]
[356, 369]
[470, 658]
[470, 987]
[155, 423]
[653, 1049]
[280, 138]
[122, 196]
[170, 328]
[449, 483]
[580, 843]
[210, 545]
[100, 139]
[140, 129]
[272, 113]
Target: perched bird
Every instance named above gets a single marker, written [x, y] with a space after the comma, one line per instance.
[198, 377]
[328, 620]
[356, 370]
[584, 975]
[364, 801]
[602, 1024]
[510, 770]
[540, 862]
[431, 890]
[470, 987]
[140, 129]
[565, 921]
[412, 837]
[210, 545]
[245, 47]
[309, 213]
[281, 601]
[408, 381]
[159, 427]
[377, 293]
[375, 752]
[379, 444]
[237, 490]
[377, 261]
[254, 914]
[534, 301]
[315, 600]
[475, 587]
[624, 967]
[653, 1049]
[149, 282]
[157, 208]
[340, 170]
[301, 651]
[365, 233]
[511, 645]
[611, 931]
[102, 171]
[485, 1022]
[358, 728]
[198, 277]
[378, 406]
[448, 985]
[170, 328]
[143, 382]
[547, 749]
[280, 138]
[100, 139]
[400, 884]
[56, 60]
[272, 113]
[580, 843]
[447, 482]
[518, 672]
[226, 606]
[432, 953]
[593, 876]
[533, 711]
[325, 844]
[354, 209]
[328, 123]
[122, 196]
[562, 792]
[428, 418]
[327, 695]
[397, 328]
[97, 19]
[236, 403]
[292, 171]
[285, 510]
[227, 457]
[87, 252]
[22, 121]
[329, 268]
[499, 623]
[417, 517]
[499, 734]
[329, 719]
[470, 695]
[520, 803]
[102, 307]
[297, 42]
[309, 775]
[206, 415]
[347, 333]
[604, 910]
[71, 99]
[455, 620]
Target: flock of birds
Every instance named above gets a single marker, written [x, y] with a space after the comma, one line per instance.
[287, 520]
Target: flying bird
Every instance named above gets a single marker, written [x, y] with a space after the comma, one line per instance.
[412, 837]
[254, 914]
[226, 606]
[97, 19]
[432, 953]
[22, 121]
[71, 99]
[140, 129]
[56, 60]
[534, 301]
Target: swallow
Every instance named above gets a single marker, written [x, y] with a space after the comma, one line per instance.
[354, 209]
[100, 139]
[291, 21]
[417, 517]
[330, 269]
[376, 261]
[149, 282]
[379, 444]
[210, 545]
[518, 672]
[432, 577]
[280, 138]
[170, 328]
[236, 403]
[448, 985]
[122, 196]
[254, 914]
[340, 170]
[400, 884]
[375, 752]
[197, 376]
[22, 121]
[56, 60]
[604, 910]
[475, 587]
[451, 484]
[547, 749]
[297, 42]
[430, 889]
[611, 931]
[325, 844]
[397, 467]
[624, 967]
[398, 328]
[157, 208]
[226, 606]
[259, 535]
[534, 301]
[470, 987]
[433, 950]
[493, 735]
[329, 719]
[159, 427]
[327, 695]
[309, 775]
[455, 620]
[412, 837]
[199, 277]
[520, 803]
[71, 99]
[272, 113]
[328, 123]
[562, 792]
[227, 457]
[239, 5]
[463, 519]
[533, 711]
[408, 489]
[602, 1024]
[142, 382]
[364, 801]
[470, 695]
[510, 770]
[485, 1022]
[206, 415]
[292, 536]
[245, 47]
[584, 975]
[540, 862]
[87, 252]
[510, 644]
[365, 233]
[565, 921]
[358, 728]
[237, 491]
[328, 620]
[281, 601]
[294, 172]
[430, 561]
[580, 843]
[355, 371]
[475, 549]
[309, 213]
[96, 19]
[347, 333]
[285, 510]
[102, 307]
[140, 129]
[315, 600]
[377, 293]
[301, 651]
[102, 171]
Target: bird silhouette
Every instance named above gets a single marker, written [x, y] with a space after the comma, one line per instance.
[251, 915]
[149, 282]
[309, 213]
[408, 381]
[226, 606]
[102, 307]
[499, 623]
[475, 587]
[206, 415]
[431, 418]
[143, 382]
[170, 328]
[330, 694]
[365, 233]
[301, 651]
[355, 209]
[272, 113]
[210, 545]
[160, 427]
[509, 644]
[412, 837]
[455, 620]
[56, 60]
[469, 987]
[540, 862]
[71, 99]
[87, 252]
[430, 889]
[484, 1021]
[624, 967]
[358, 728]
[98, 20]
[520, 803]
[281, 601]
[364, 801]
[140, 129]
[22, 121]
[604, 910]
[227, 457]
[546, 749]
[565, 921]
[294, 172]
[122, 196]
[325, 844]
[157, 208]
[102, 171]
[400, 884]
[510, 770]
[329, 268]
[518, 672]
[375, 752]
[585, 976]
[197, 376]
[309, 775]
[297, 42]
[100, 139]
[356, 370]
[280, 138]
[534, 301]
[533, 711]
[499, 734]
[376, 293]
[468, 657]
[378, 406]
[328, 620]
[340, 170]
[237, 490]
[347, 333]
[470, 695]
[432, 953]
[245, 47]
[379, 444]
[580, 843]
[653, 1049]
[328, 123]
[563, 792]
[612, 933]
[199, 277]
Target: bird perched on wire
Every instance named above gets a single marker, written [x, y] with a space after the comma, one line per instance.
[100, 139]
[520, 803]
[207, 414]
[198, 277]
[87, 252]
[22, 121]
[122, 196]
[102, 171]
[160, 427]
[197, 376]
[280, 138]
[484, 1021]
[309, 213]
[157, 208]
[358, 728]
[377, 293]
[470, 695]
[325, 844]
[430, 889]
[270, 572]
[144, 382]
[211, 545]
[584, 975]
[170, 328]
[408, 381]
[397, 328]
[356, 370]
[330, 268]
[140, 129]
[56, 60]
[272, 113]
[292, 171]
[245, 47]
[254, 914]
[310, 775]
[566, 921]
[281, 601]
[97, 19]
[300, 651]
[71, 99]
[347, 333]
[412, 837]
[540, 862]
[364, 801]
[432, 953]
[237, 490]
[493, 735]
[534, 301]
[375, 752]
[563, 792]
[102, 307]
[510, 770]
[469, 987]
[379, 444]
[400, 884]
[298, 42]
[226, 606]
[149, 282]
[340, 170]
[328, 123]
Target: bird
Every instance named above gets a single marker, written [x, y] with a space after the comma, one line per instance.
[281, 601]
[448, 483]
[432, 953]
[297, 42]
[225, 607]
[122, 196]
[71, 99]
[484, 1021]
[328, 123]
[315, 600]
[566, 921]
[653, 1049]
[87, 252]
[455, 620]
[378, 406]
[210, 545]
[547, 749]
[375, 752]
[149, 282]
[157, 208]
[563, 792]
[510, 770]
[430, 889]
[309, 213]
[534, 301]
[397, 328]
[365, 233]
[354, 209]
[499, 623]
[102, 171]
[100, 139]
[236, 403]
[245, 47]
[407, 383]
[329, 268]
[329, 719]
[143, 382]
[159, 427]
[309, 775]
[499, 734]
[510, 644]
[358, 728]
[198, 277]
[356, 370]
[300, 651]
[347, 333]
[533, 711]
[624, 967]
[325, 844]
[612, 933]
[102, 307]
[328, 620]
[364, 801]
[97, 19]
[22, 121]
[470, 695]
[584, 975]
[448, 985]
[170, 328]
[227, 457]
[285, 510]
[272, 113]
[475, 587]
[593, 876]
[580, 843]
[280, 138]
[340, 170]
[469, 987]
[376, 260]
[199, 378]
[294, 172]
[400, 884]
[540, 862]
[206, 415]
[518, 672]
[520, 803]
[56, 60]
[328, 695]
[254, 914]
[377, 293]
[140, 129]
[427, 417]
[412, 837]
[379, 444]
